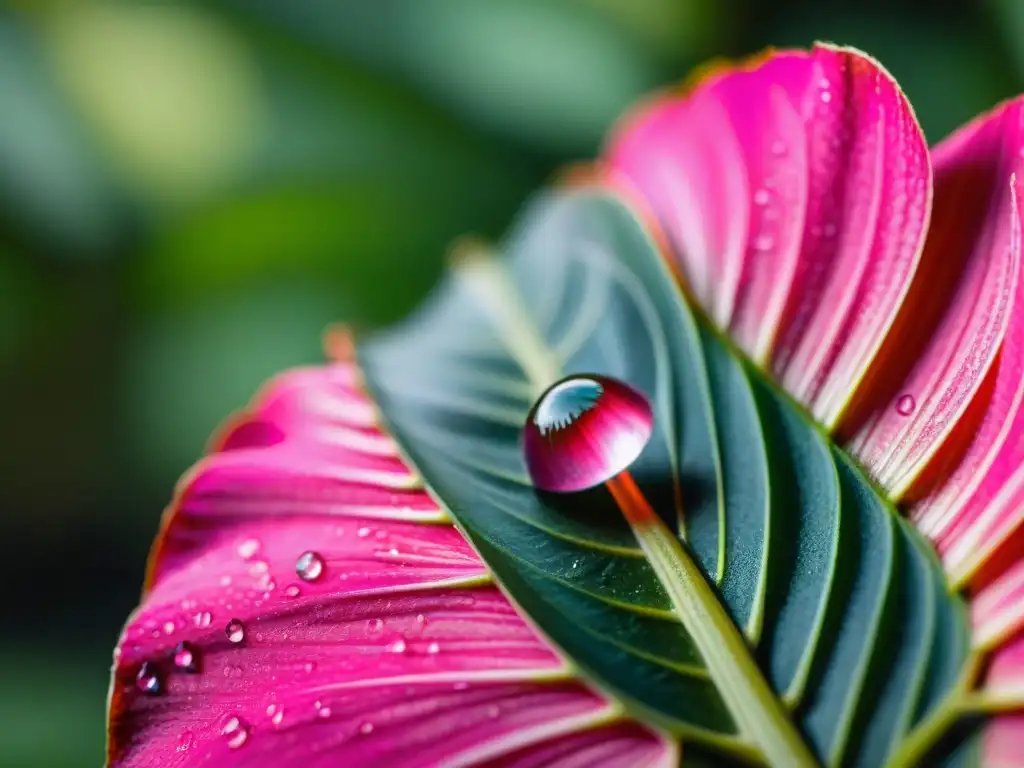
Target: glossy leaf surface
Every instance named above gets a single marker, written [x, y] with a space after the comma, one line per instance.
[843, 608]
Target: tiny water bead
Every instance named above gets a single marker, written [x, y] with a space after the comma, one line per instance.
[235, 630]
[148, 679]
[309, 566]
[186, 657]
[583, 431]
[235, 732]
[905, 405]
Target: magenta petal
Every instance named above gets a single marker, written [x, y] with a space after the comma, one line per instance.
[997, 612]
[795, 195]
[1003, 739]
[332, 617]
[972, 282]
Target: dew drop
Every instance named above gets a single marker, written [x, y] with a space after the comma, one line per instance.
[398, 645]
[583, 431]
[826, 96]
[186, 657]
[148, 679]
[168, 627]
[248, 548]
[905, 405]
[433, 648]
[235, 630]
[236, 732]
[362, 533]
[292, 590]
[202, 619]
[421, 619]
[375, 625]
[185, 741]
[309, 566]
[278, 717]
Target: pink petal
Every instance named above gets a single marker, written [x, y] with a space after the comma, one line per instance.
[795, 194]
[1003, 739]
[386, 645]
[997, 612]
[967, 300]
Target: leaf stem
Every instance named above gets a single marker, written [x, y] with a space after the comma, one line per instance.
[737, 676]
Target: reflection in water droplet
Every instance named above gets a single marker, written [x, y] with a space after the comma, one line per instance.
[186, 657]
[235, 731]
[309, 566]
[583, 431]
[905, 405]
[235, 630]
[148, 679]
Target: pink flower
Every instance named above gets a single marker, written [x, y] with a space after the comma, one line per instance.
[308, 602]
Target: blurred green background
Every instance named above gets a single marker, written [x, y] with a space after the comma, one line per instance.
[189, 192]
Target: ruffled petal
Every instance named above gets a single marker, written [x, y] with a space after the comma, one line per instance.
[795, 195]
[330, 615]
[966, 314]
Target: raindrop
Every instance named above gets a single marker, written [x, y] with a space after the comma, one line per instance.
[292, 590]
[168, 627]
[148, 680]
[236, 732]
[309, 566]
[905, 405]
[433, 648]
[362, 533]
[375, 625]
[235, 630]
[826, 96]
[202, 619]
[421, 619]
[397, 645]
[248, 548]
[583, 431]
[278, 717]
[186, 657]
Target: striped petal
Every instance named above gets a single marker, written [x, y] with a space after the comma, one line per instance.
[309, 604]
[795, 194]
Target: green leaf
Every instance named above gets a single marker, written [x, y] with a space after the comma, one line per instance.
[776, 608]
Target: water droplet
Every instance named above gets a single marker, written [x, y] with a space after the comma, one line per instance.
[362, 533]
[278, 717]
[148, 679]
[905, 405]
[325, 712]
[366, 729]
[186, 657]
[248, 548]
[168, 627]
[421, 619]
[375, 625]
[826, 96]
[271, 709]
[761, 197]
[397, 645]
[235, 731]
[309, 566]
[235, 630]
[433, 648]
[583, 431]
[292, 590]
[185, 741]
[202, 619]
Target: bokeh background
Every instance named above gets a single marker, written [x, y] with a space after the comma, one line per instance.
[189, 192]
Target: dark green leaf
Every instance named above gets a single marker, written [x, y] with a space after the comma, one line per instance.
[842, 604]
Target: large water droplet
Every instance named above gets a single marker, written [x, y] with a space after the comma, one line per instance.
[148, 679]
[309, 566]
[186, 657]
[583, 431]
[235, 731]
[905, 405]
[235, 630]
